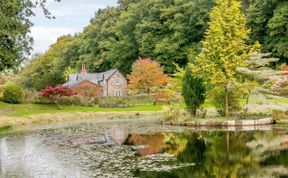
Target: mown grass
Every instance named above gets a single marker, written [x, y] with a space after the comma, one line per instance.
[31, 109]
[279, 100]
[208, 103]
[19, 110]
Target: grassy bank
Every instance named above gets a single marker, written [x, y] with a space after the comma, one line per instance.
[25, 114]
[19, 110]
[22, 114]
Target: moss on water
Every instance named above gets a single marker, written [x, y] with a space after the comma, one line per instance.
[72, 116]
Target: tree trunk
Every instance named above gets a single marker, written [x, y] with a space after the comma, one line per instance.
[148, 91]
[58, 103]
[226, 102]
[194, 112]
[247, 98]
[227, 144]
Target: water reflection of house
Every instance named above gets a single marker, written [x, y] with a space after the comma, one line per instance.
[119, 135]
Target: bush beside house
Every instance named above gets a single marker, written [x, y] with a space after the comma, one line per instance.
[13, 94]
[126, 101]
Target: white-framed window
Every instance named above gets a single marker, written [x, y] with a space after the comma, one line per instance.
[117, 81]
[117, 93]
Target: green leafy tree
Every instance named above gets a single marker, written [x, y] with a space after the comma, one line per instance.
[147, 28]
[97, 40]
[49, 68]
[167, 29]
[193, 91]
[268, 22]
[15, 40]
[278, 31]
[14, 28]
[224, 48]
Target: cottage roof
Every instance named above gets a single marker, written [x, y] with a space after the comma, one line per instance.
[96, 78]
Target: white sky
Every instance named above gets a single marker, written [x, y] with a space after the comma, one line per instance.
[71, 17]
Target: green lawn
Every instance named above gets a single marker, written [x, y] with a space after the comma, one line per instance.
[208, 103]
[31, 109]
[279, 100]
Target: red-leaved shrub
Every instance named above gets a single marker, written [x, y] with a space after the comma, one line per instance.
[54, 94]
[58, 91]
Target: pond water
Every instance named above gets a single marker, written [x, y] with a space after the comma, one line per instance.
[143, 148]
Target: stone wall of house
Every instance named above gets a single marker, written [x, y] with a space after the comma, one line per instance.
[88, 89]
[117, 85]
[104, 85]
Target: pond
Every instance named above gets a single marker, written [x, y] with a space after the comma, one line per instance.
[143, 148]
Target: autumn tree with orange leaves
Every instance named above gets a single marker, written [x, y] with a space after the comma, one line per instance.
[146, 75]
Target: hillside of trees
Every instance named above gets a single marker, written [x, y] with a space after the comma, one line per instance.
[167, 31]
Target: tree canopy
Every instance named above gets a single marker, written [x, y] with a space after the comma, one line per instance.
[48, 69]
[14, 28]
[269, 22]
[15, 39]
[146, 75]
[163, 30]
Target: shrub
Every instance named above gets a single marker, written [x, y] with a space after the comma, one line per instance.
[114, 102]
[283, 83]
[13, 94]
[77, 100]
[279, 115]
[82, 100]
[175, 113]
[218, 100]
[282, 92]
[141, 99]
[58, 91]
[1, 91]
[162, 97]
[31, 96]
[126, 101]
[56, 94]
[193, 91]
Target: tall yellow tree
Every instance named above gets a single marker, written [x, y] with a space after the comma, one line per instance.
[224, 48]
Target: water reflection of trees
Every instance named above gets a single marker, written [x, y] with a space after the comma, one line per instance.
[228, 156]
[219, 154]
[153, 142]
[216, 154]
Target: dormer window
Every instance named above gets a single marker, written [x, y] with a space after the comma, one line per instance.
[117, 81]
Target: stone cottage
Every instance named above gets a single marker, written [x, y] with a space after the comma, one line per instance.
[109, 83]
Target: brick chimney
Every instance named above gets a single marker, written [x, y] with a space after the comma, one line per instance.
[83, 70]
